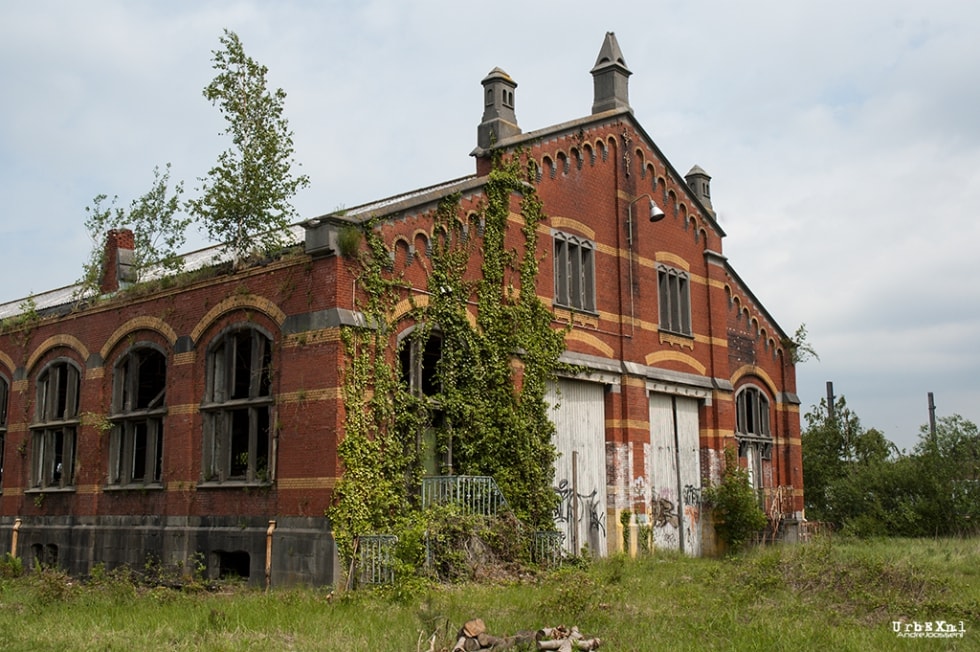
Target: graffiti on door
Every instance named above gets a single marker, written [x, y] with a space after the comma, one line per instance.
[587, 504]
[664, 512]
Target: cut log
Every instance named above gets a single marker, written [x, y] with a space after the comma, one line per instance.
[473, 628]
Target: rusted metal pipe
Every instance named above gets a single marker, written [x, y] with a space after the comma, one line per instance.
[268, 554]
[13, 538]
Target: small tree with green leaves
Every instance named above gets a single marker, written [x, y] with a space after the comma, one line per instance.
[156, 222]
[245, 198]
[736, 506]
[799, 346]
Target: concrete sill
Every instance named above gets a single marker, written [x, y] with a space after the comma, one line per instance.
[114, 488]
[234, 484]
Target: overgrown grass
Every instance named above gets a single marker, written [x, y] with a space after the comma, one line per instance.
[826, 595]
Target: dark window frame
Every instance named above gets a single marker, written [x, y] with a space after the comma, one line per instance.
[753, 430]
[674, 290]
[574, 262]
[420, 373]
[137, 417]
[238, 408]
[54, 432]
[4, 402]
[420, 362]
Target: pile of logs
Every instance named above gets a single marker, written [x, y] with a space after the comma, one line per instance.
[473, 637]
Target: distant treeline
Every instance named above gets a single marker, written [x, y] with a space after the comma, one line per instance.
[864, 485]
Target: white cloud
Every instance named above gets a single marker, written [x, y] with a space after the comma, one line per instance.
[841, 137]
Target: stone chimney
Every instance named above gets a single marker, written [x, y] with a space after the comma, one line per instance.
[610, 77]
[499, 120]
[700, 184]
[117, 261]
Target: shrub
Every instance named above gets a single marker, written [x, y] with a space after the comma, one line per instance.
[738, 516]
[11, 566]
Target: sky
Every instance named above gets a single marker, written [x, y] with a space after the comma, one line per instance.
[843, 141]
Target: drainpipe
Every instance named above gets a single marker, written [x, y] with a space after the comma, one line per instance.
[13, 538]
[268, 554]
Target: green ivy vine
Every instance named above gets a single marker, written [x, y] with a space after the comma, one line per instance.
[489, 411]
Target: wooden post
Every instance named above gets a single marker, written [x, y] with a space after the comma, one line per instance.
[575, 548]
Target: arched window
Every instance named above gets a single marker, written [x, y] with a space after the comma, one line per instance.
[55, 428]
[675, 300]
[4, 391]
[753, 412]
[753, 431]
[139, 394]
[574, 272]
[237, 408]
[419, 362]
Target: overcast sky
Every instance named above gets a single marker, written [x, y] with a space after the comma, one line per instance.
[843, 139]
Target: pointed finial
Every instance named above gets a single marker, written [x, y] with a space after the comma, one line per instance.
[610, 77]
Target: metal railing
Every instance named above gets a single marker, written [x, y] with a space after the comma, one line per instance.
[475, 494]
[375, 559]
[547, 548]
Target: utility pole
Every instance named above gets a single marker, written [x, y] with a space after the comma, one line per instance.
[932, 417]
[830, 400]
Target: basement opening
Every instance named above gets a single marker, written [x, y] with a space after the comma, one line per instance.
[230, 565]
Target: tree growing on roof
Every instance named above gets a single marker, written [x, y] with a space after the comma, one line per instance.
[156, 222]
[245, 198]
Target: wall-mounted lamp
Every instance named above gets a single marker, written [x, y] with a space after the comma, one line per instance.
[656, 214]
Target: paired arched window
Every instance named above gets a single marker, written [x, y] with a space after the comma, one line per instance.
[54, 431]
[675, 300]
[139, 395]
[574, 272]
[237, 407]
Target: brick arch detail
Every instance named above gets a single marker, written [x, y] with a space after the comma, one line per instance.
[756, 371]
[139, 323]
[741, 307]
[68, 341]
[675, 356]
[405, 307]
[590, 341]
[8, 362]
[236, 302]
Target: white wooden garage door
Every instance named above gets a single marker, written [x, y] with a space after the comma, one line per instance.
[581, 441]
[675, 473]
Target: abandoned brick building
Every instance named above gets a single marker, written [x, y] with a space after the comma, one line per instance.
[203, 417]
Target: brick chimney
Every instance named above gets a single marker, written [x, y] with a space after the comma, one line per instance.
[117, 262]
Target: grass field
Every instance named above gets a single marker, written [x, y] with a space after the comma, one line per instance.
[827, 595]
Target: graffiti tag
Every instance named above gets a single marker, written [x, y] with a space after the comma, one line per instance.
[588, 507]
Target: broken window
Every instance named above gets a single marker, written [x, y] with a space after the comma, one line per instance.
[53, 434]
[752, 412]
[574, 272]
[675, 300]
[419, 363]
[238, 407]
[3, 422]
[420, 371]
[138, 408]
[753, 432]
